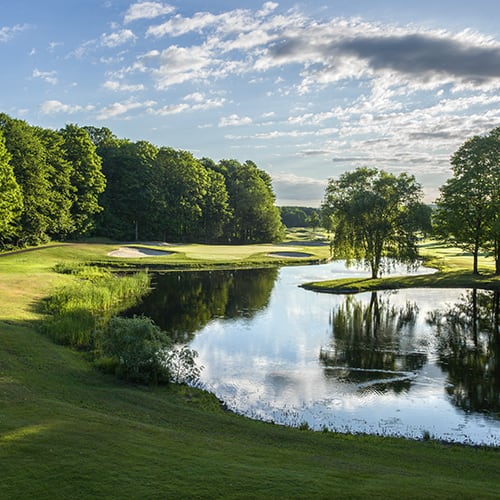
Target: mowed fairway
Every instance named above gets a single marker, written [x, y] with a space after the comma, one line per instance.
[68, 431]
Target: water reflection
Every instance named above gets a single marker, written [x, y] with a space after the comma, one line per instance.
[373, 343]
[393, 363]
[469, 349]
[182, 303]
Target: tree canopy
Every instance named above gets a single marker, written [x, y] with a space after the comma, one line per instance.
[81, 181]
[468, 209]
[372, 215]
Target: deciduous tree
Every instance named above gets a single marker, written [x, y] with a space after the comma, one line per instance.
[372, 217]
[468, 209]
[11, 200]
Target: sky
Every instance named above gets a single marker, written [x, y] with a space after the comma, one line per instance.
[307, 90]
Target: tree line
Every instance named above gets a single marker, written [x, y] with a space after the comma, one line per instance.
[84, 181]
[376, 217]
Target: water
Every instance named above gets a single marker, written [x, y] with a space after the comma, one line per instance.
[410, 363]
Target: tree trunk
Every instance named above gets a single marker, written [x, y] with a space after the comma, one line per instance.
[476, 254]
[497, 257]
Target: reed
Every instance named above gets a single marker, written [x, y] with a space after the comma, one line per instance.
[76, 313]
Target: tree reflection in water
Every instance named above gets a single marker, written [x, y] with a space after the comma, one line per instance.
[469, 350]
[373, 344]
[182, 303]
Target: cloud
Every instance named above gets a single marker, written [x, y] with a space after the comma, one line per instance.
[53, 106]
[9, 32]
[122, 87]
[425, 55]
[234, 121]
[146, 10]
[118, 38]
[47, 76]
[120, 108]
[180, 64]
[295, 189]
[171, 109]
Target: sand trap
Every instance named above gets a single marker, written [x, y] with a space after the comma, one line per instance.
[290, 255]
[135, 253]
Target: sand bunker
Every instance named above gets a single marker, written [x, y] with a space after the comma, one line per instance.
[135, 252]
[290, 255]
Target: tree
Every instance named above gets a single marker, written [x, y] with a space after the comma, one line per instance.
[11, 200]
[255, 218]
[87, 179]
[28, 159]
[468, 209]
[313, 220]
[372, 217]
[59, 174]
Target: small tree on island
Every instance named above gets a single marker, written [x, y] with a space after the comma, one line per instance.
[374, 215]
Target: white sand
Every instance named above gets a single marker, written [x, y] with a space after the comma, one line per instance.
[135, 253]
[290, 254]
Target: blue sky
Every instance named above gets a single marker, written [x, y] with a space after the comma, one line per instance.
[307, 90]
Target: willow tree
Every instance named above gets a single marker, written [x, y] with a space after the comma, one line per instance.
[374, 215]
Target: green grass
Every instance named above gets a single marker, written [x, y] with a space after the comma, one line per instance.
[454, 271]
[69, 431]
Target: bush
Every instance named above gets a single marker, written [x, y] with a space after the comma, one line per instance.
[137, 345]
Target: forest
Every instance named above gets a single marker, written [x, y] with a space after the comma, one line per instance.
[84, 181]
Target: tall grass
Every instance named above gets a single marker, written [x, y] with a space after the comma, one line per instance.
[76, 313]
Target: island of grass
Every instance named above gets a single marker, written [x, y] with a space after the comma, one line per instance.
[70, 431]
[453, 270]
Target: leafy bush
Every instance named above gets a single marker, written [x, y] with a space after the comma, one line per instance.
[137, 345]
[139, 351]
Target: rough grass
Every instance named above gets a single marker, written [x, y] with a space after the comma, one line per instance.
[69, 431]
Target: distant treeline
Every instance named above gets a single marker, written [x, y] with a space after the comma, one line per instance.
[300, 216]
[84, 181]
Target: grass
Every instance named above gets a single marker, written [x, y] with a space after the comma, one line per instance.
[69, 431]
[454, 270]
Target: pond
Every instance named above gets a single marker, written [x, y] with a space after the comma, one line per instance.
[414, 363]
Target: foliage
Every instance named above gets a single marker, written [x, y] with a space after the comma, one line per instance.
[180, 362]
[255, 218]
[137, 345]
[11, 200]
[84, 181]
[87, 177]
[77, 312]
[372, 215]
[300, 216]
[468, 209]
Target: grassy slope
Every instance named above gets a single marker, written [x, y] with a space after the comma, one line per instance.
[67, 431]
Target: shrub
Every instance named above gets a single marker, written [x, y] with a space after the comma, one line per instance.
[137, 345]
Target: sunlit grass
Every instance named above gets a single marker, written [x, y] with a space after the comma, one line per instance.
[454, 270]
[69, 431]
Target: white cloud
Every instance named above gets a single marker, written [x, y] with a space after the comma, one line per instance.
[234, 121]
[47, 76]
[180, 64]
[118, 38]
[9, 32]
[120, 108]
[53, 106]
[172, 109]
[122, 87]
[146, 10]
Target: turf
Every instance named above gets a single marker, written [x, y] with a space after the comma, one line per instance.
[68, 431]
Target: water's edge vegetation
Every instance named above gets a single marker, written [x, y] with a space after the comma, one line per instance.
[66, 427]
